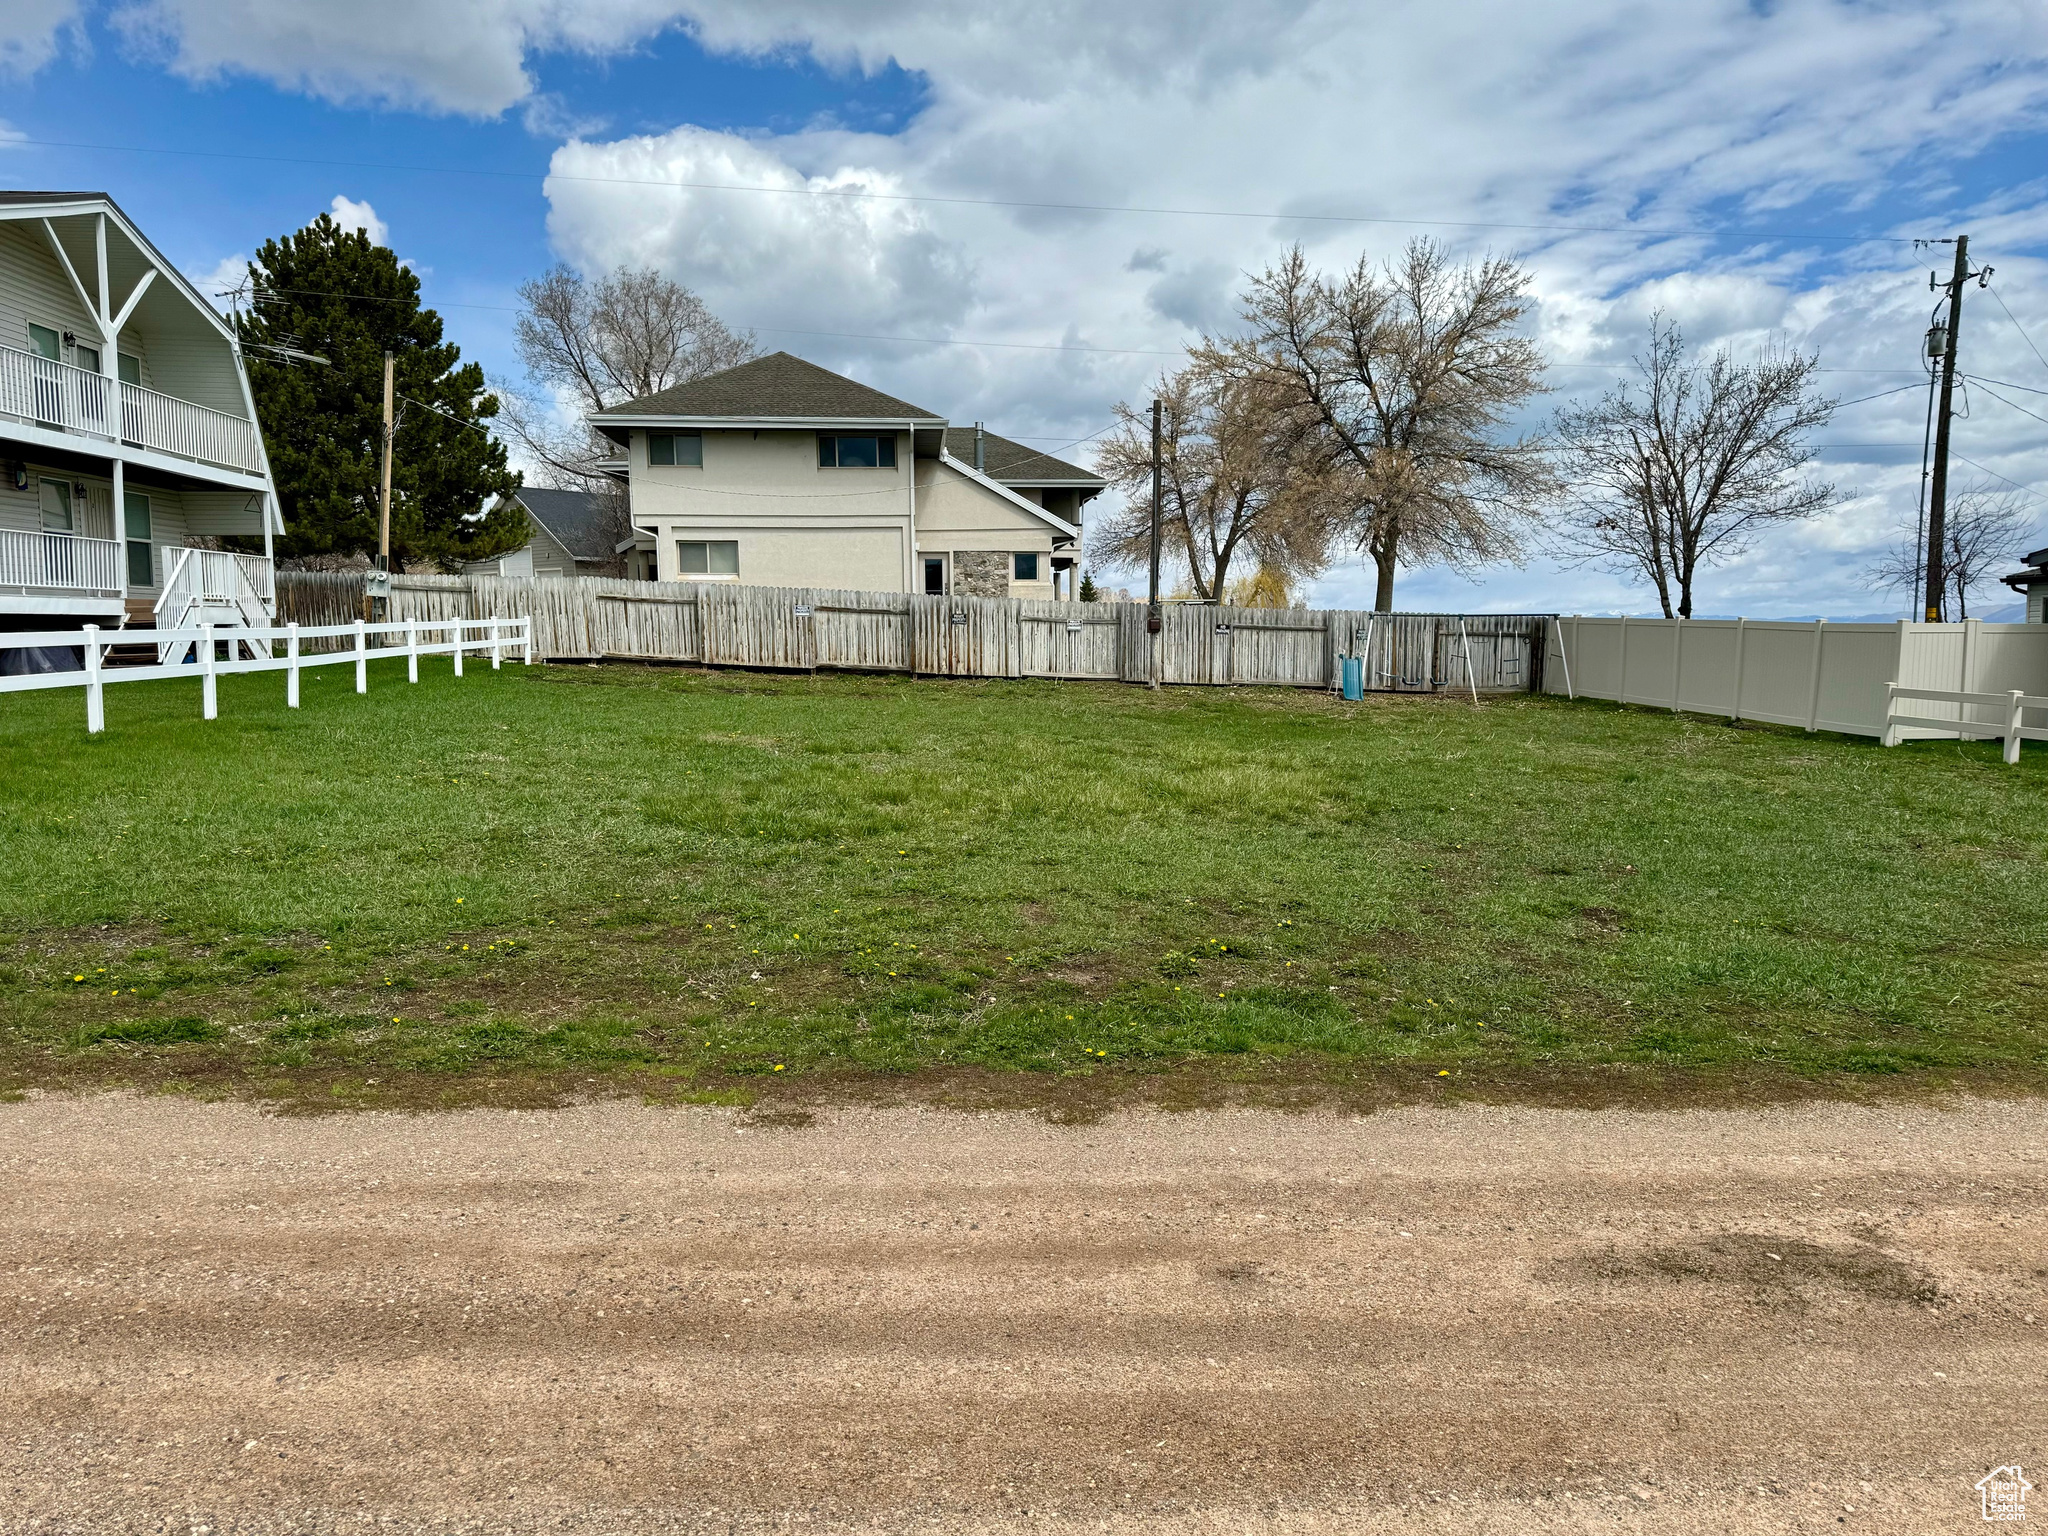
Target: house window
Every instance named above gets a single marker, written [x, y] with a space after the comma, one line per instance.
[713, 557]
[135, 513]
[56, 502]
[835, 452]
[935, 576]
[667, 448]
[86, 357]
[45, 342]
[1026, 568]
[131, 368]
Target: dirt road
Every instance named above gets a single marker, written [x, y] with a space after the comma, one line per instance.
[620, 1319]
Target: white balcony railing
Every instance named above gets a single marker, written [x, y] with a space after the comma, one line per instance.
[59, 562]
[190, 431]
[53, 394]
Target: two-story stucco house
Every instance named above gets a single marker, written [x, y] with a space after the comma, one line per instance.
[782, 473]
[127, 431]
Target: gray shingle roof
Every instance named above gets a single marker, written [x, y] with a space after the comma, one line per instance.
[778, 385]
[1011, 463]
[579, 521]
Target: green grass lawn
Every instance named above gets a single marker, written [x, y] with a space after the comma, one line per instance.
[719, 886]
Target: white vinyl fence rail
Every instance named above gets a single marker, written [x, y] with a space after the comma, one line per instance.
[1818, 676]
[253, 650]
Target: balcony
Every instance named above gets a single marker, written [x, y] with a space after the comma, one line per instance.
[170, 425]
[51, 394]
[59, 564]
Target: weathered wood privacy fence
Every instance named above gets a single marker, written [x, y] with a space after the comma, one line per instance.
[723, 624]
[1824, 677]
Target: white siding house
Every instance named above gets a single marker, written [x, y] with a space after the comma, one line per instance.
[127, 431]
[782, 473]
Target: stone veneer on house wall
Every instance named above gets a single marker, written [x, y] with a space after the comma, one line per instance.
[981, 573]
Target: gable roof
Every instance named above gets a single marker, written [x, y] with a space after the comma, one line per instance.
[1014, 464]
[778, 387]
[576, 520]
[72, 203]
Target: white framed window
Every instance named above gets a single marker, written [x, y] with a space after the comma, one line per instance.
[136, 525]
[45, 341]
[708, 559]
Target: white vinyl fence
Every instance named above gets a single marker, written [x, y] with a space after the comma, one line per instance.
[1896, 682]
[199, 652]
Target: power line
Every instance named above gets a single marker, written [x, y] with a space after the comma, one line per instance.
[2016, 325]
[1994, 474]
[856, 194]
[1994, 394]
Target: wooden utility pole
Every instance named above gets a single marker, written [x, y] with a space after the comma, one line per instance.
[1153, 620]
[384, 515]
[1937, 499]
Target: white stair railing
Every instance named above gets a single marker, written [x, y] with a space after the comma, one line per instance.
[214, 586]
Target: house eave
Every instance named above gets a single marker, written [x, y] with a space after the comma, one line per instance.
[1059, 525]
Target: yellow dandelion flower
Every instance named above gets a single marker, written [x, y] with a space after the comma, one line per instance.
[1445, 1073]
[458, 901]
[778, 1066]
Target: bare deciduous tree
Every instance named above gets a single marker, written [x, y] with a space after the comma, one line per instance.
[1407, 376]
[1234, 479]
[592, 345]
[1685, 466]
[1987, 527]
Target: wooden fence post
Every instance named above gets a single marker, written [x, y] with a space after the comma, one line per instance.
[362, 657]
[291, 665]
[95, 690]
[209, 694]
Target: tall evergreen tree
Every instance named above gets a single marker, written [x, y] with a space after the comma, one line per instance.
[329, 291]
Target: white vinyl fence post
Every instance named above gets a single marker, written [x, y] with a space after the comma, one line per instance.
[209, 688]
[412, 650]
[497, 643]
[526, 640]
[1621, 687]
[1741, 633]
[95, 690]
[362, 657]
[1677, 652]
[291, 665]
[1890, 738]
[1820, 636]
[456, 626]
[2012, 728]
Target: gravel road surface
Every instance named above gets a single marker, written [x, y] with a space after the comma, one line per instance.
[621, 1319]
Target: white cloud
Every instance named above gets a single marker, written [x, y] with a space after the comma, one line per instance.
[350, 214]
[29, 30]
[798, 254]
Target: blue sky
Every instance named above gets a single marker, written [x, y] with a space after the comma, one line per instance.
[495, 137]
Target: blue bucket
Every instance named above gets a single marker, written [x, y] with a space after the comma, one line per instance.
[1354, 678]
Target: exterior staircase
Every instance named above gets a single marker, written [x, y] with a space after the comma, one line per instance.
[214, 586]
